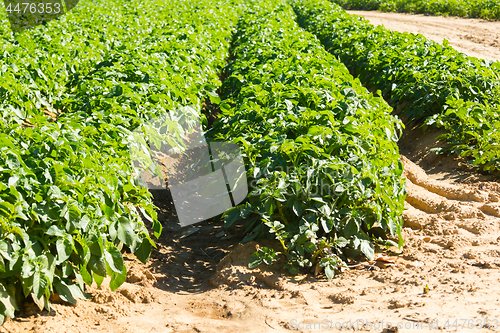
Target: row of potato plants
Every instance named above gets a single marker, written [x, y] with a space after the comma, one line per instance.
[72, 93]
[426, 80]
[486, 9]
[322, 160]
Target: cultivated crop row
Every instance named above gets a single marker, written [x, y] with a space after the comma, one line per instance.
[486, 9]
[72, 93]
[422, 78]
[321, 152]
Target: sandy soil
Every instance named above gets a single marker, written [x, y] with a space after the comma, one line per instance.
[475, 37]
[446, 277]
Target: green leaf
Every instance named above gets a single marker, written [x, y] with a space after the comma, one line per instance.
[125, 231]
[114, 258]
[236, 213]
[5, 249]
[329, 272]
[341, 242]
[98, 279]
[117, 279]
[63, 291]
[40, 302]
[8, 300]
[28, 268]
[327, 224]
[214, 98]
[255, 261]
[12, 161]
[86, 276]
[77, 292]
[40, 284]
[55, 230]
[84, 221]
[367, 248]
[351, 228]
[97, 265]
[297, 208]
[157, 229]
[64, 249]
[325, 210]
[27, 285]
[144, 251]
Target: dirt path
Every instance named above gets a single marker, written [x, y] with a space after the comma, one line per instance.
[475, 37]
[447, 276]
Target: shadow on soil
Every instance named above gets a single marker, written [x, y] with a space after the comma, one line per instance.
[186, 257]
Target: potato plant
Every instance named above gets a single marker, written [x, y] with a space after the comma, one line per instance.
[73, 91]
[429, 81]
[321, 151]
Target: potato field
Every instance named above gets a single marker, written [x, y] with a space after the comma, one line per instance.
[329, 113]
